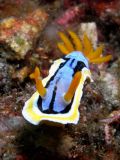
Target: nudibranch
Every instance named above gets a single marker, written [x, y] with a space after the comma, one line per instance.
[58, 96]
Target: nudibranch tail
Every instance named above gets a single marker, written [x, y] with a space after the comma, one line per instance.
[87, 45]
[101, 59]
[66, 41]
[39, 86]
[73, 86]
[76, 40]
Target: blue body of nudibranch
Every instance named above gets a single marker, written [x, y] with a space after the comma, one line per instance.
[60, 82]
[53, 107]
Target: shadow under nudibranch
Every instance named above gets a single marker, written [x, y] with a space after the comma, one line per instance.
[41, 141]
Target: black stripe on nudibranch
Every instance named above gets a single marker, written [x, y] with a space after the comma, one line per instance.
[51, 105]
[39, 103]
[72, 62]
[50, 109]
[78, 67]
[68, 107]
[61, 65]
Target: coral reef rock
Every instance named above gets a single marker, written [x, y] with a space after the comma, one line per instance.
[20, 34]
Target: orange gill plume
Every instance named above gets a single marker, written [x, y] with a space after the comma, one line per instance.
[66, 47]
[76, 40]
[95, 56]
[85, 46]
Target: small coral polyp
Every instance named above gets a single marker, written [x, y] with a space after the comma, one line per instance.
[58, 96]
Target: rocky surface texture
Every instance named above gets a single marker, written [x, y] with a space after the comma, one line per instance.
[28, 35]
